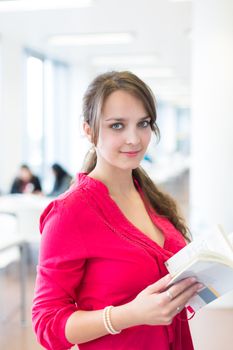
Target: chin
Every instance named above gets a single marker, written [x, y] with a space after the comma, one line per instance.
[128, 164]
[132, 166]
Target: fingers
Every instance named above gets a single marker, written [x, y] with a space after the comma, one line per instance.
[184, 297]
[162, 302]
[179, 287]
[179, 302]
[160, 285]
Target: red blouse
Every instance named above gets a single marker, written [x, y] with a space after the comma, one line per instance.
[91, 256]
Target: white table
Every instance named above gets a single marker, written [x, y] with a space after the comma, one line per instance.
[27, 208]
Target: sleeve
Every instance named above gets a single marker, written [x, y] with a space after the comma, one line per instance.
[59, 274]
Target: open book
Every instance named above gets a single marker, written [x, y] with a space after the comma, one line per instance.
[210, 260]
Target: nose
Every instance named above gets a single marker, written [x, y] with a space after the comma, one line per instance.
[132, 137]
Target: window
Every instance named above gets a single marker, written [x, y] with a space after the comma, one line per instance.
[34, 112]
[46, 114]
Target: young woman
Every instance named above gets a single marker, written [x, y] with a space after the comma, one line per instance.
[102, 282]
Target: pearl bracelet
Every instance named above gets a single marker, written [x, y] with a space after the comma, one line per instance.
[107, 320]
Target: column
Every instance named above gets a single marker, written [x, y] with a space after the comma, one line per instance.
[11, 111]
[212, 114]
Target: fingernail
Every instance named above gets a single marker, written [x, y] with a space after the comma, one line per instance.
[200, 286]
[193, 279]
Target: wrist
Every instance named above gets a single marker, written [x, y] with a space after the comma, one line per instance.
[124, 316]
[108, 322]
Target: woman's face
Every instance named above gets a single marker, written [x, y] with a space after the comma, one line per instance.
[25, 174]
[124, 132]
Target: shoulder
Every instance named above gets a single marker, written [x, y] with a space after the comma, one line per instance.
[68, 207]
[63, 229]
[63, 226]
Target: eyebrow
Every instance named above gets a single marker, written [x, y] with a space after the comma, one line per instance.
[123, 119]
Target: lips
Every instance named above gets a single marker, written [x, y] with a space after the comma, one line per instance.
[131, 152]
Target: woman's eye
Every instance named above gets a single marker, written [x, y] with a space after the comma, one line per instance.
[144, 124]
[117, 126]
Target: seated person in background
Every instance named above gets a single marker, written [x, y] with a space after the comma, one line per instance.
[62, 180]
[26, 182]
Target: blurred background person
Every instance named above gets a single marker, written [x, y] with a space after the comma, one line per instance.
[62, 180]
[26, 182]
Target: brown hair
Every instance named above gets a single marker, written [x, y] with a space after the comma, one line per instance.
[94, 98]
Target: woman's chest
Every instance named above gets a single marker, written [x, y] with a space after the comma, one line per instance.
[119, 267]
[121, 260]
[138, 215]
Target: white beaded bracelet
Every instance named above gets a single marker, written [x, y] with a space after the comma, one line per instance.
[107, 320]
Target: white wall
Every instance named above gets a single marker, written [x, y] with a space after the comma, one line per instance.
[212, 109]
[79, 145]
[11, 112]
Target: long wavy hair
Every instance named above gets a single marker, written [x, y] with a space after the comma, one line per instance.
[98, 91]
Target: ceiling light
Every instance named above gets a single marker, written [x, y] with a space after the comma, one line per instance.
[124, 60]
[155, 72]
[90, 39]
[178, 95]
[37, 5]
[180, 0]
[179, 91]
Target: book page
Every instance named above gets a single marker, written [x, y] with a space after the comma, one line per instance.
[211, 242]
[217, 280]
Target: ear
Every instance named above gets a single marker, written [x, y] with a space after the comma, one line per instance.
[87, 131]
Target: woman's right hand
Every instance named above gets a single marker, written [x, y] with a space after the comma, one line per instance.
[157, 304]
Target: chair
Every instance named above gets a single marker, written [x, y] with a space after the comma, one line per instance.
[13, 248]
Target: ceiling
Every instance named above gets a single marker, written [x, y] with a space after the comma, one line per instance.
[160, 28]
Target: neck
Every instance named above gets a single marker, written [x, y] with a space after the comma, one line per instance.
[119, 182]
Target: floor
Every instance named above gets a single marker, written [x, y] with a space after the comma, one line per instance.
[13, 336]
[211, 329]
